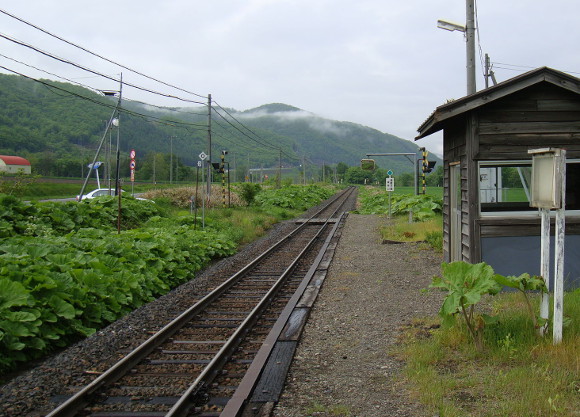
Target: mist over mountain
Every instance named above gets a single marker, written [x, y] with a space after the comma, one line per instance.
[67, 122]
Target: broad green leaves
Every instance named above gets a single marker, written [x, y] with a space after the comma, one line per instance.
[466, 284]
[422, 206]
[58, 287]
[293, 197]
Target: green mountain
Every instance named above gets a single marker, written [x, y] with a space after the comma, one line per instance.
[329, 141]
[58, 127]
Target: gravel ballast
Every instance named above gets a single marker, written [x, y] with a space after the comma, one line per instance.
[342, 366]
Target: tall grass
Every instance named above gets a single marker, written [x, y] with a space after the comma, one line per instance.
[518, 374]
[399, 229]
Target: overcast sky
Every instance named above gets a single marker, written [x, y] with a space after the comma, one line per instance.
[379, 63]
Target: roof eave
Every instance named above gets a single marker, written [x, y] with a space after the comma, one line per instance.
[435, 122]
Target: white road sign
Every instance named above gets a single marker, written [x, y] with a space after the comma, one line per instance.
[202, 156]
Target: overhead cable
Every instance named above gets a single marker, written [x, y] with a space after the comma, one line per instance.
[278, 148]
[523, 68]
[104, 104]
[93, 71]
[99, 56]
[50, 73]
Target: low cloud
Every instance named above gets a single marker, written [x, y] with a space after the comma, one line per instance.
[315, 122]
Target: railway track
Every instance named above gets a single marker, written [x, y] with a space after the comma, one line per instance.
[209, 360]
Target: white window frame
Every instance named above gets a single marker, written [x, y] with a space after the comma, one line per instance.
[515, 213]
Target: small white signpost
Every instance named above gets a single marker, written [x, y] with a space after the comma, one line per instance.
[390, 186]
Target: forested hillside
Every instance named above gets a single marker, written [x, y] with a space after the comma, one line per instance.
[58, 126]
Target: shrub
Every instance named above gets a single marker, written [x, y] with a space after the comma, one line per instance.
[249, 191]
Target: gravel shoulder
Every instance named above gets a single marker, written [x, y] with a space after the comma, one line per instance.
[342, 366]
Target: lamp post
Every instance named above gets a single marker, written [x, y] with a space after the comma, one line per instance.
[469, 30]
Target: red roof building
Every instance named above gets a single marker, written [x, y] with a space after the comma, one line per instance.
[14, 164]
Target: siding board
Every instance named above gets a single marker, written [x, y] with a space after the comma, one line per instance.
[530, 127]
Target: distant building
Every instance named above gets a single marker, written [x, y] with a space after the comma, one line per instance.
[14, 164]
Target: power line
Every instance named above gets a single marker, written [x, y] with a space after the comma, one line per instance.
[251, 132]
[242, 132]
[231, 141]
[522, 68]
[50, 73]
[99, 56]
[100, 91]
[241, 124]
[104, 104]
[481, 58]
[21, 43]
[240, 143]
[169, 109]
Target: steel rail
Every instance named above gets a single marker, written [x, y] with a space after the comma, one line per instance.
[184, 404]
[242, 394]
[76, 402]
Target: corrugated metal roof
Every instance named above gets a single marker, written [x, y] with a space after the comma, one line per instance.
[14, 160]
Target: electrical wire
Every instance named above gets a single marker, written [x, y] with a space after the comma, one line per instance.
[252, 132]
[63, 60]
[104, 104]
[169, 109]
[100, 91]
[241, 143]
[241, 124]
[523, 68]
[232, 142]
[481, 59]
[255, 137]
[50, 73]
[99, 56]
[244, 133]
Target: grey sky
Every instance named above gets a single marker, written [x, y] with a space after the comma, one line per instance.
[380, 63]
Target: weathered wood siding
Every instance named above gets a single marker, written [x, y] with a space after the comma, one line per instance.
[535, 117]
[455, 150]
[539, 116]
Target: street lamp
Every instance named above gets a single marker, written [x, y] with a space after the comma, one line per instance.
[450, 26]
[469, 30]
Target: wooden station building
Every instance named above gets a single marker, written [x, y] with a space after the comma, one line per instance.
[487, 170]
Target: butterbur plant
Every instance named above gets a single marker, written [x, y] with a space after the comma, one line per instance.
[466, 283]
[525, 283]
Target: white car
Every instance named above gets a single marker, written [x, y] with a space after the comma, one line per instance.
[99, 192]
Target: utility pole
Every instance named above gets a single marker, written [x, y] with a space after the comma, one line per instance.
[117, 179]
[171, 160]
[470, 34]
[209, 167]
[280, 169]
[469, 31]
[489, 72]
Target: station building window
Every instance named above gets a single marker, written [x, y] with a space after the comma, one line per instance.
[505, 187]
